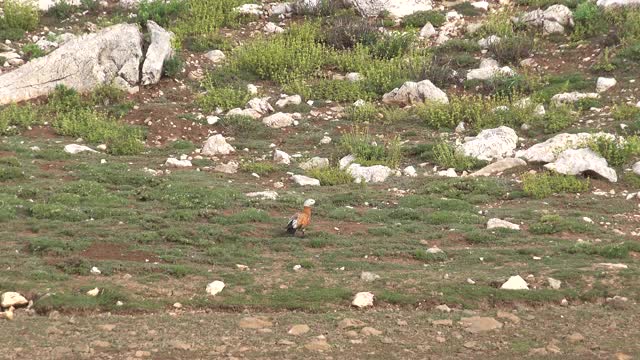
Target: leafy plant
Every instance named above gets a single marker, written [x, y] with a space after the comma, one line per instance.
[367, 150]
[294, 55]
[589, 20]
[330, 176]
[32, 51]
[544, 184]
[62, 10]
[19, 16]
[346, 31]
[163, 12]
[366, 112]
[447, 156]
[225, 98]
[511, 49]
[558, 118]
[14, 117]
[617, 151]
[173, 66]
[420, 18]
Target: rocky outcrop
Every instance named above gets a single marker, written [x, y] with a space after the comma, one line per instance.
[491, 144]
[576, 162]
[217, 145]
[549, 150]
[159, 51]
[109, 56]
[413, 93]
[369, 174]
[489, 69]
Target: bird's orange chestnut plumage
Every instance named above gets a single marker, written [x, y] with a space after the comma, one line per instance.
[301, 220]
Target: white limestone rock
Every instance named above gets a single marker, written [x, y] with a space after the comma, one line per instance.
[492, 144]
[496, 223]
[216, 145]
[363, 299]
[578, 161]
[305, 180]
[413, 93]
[515, 283]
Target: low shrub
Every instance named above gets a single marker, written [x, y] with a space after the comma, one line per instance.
[511, 50]
[225, 98]
[447, 156]
[364, 113]
[346, 31]
[544, 184]
[19, 16]
[32, 51]
[95, 127]
[618, 151]
[330, 176]
[420, 18]
[367, 150]
[15, 117]
[163, 12]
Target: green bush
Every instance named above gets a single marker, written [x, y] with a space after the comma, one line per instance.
[95, 127]
[203, 18]
[225, 98]
[544, 184]
[447, 156]
[284, 58]
[498, 23]
[448, 116]
[367, 150]
[393, 45]
[206, 42]
[589, 20]
[420, 18]
[625, 112]
[32, 51]
[173, 66]
[18, 15]
[163, 12]
[346, 31]
[558, 118]
[334, 90]
[618, 151]
[62, 10]
[261, 168]
[106, 95]
[511, 49]
[330, 176]
[14, 117]
[364, 113]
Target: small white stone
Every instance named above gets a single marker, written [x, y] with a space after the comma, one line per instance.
[95, 271]
[363, 299]
[515, 283]
[93, 292]
[215, 287]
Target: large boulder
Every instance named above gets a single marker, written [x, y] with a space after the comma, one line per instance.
[396, 8]
[552, 20]
[491, 144]
[369, 174]
[636, 168]
[411, 93]
[111, 55]
[578, 161]
[547, 151]
[159, 51]
[217, 145]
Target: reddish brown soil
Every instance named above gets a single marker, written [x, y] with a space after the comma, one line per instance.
[111, 251]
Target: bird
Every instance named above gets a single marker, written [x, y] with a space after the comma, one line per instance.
[301, 220]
